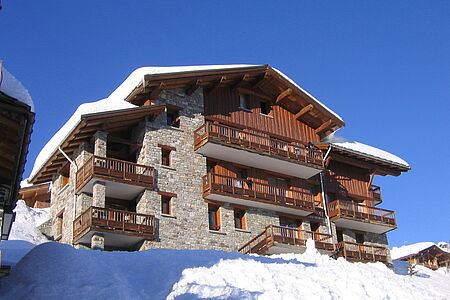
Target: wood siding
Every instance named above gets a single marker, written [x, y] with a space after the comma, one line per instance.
[222, 104]
[348, 181]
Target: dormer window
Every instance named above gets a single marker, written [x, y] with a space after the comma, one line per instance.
[243, 101]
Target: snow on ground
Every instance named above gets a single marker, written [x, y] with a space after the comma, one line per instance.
[55, 271]
[24, 235]
[14, 88]
[402, 251]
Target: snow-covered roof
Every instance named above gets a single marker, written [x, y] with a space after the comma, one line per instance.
[399, 252]
[137, 77]
[116, 100]
[108, 104]
[364, 150]
[12, 87]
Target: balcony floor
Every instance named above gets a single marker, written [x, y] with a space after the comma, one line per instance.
[258, 204]
[281, 248]
[112, 239]
[114, 189]
[261, 161]
[363, 225]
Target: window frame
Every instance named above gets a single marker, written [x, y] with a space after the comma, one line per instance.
[215, 210]
[240, 214]
[168, 199]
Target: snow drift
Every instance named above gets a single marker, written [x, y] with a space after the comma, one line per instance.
[53, 271]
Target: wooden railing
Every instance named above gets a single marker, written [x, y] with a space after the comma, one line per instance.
[376, 192]
[115, 170]
[349, 209]
[246, 189]
[257, 143]
[359, 252]
[286, 235]
[113, 220]
[41, 204]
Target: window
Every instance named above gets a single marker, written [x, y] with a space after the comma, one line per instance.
[173, 118]
[210, 166]
[265, 108]
[214, 217]
[59, 225]
[359, 237]
[315, 227]
[243, 101]
[65, 171]
[239, 219]
[166, 157]
[166, 205]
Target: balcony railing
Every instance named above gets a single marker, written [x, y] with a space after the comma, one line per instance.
[349, 209]
[359, 252]
[115, 170]
[256, 143]
[376, 192]
[292, 236]
[113, 220]
[246, 189]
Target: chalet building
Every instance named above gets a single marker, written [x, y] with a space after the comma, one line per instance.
[16, 122]
[215, 157]
[36, 196]
[433, 257]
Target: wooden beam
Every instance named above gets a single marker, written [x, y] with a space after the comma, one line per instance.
[194, 86]
[252, 92]
[324, 126]
[156, 91]
[217, 84]
[262, 80]
[123, 141]
[240, 82]
[303, 111]
[283, 95]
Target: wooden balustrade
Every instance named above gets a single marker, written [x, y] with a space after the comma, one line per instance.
[349, 209]
[113, 220]
[115, 170]
[376, 192]
[259, 143]
[359, 252]
[286, 235]
[246, 189]
[41, 204]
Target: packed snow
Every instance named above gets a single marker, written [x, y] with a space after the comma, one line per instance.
[363, 149]
[55, 271]
[399, 252]
[24, 235]
[52, 271]
[12, 87]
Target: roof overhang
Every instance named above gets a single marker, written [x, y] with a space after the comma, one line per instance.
[375, 164]
[262, 79]
[88, 124]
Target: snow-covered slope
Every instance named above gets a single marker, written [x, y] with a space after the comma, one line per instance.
[55, 271]
[24, 234]
[399, 252]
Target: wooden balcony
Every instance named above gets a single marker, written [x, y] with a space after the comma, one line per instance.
[121, 228]
[348, 214]
[376, 193]
[114, 170]
[361, 253]
[244, 192]
[257, 150]
[278, 239]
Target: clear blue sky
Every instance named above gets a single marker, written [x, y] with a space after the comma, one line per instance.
[382, 65]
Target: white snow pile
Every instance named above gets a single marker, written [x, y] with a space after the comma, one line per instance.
[12, 87]
[24, 235]
[363, 149]
[55, 271]
[402, 251]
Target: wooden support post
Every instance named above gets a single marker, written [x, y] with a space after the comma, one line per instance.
[324, 126]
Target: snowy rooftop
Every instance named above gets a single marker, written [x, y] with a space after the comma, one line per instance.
[364, 150]
[399, 252]
[116, 101]
[12, 87]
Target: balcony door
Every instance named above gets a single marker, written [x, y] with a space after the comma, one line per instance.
[289, 224]
[279, 186]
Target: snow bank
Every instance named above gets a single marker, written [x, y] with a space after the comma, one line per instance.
[14, 88]
[399, 252]
[24, 235]
[363, 149]
[52, 271]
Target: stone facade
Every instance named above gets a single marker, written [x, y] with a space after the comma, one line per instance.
[187, 225]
